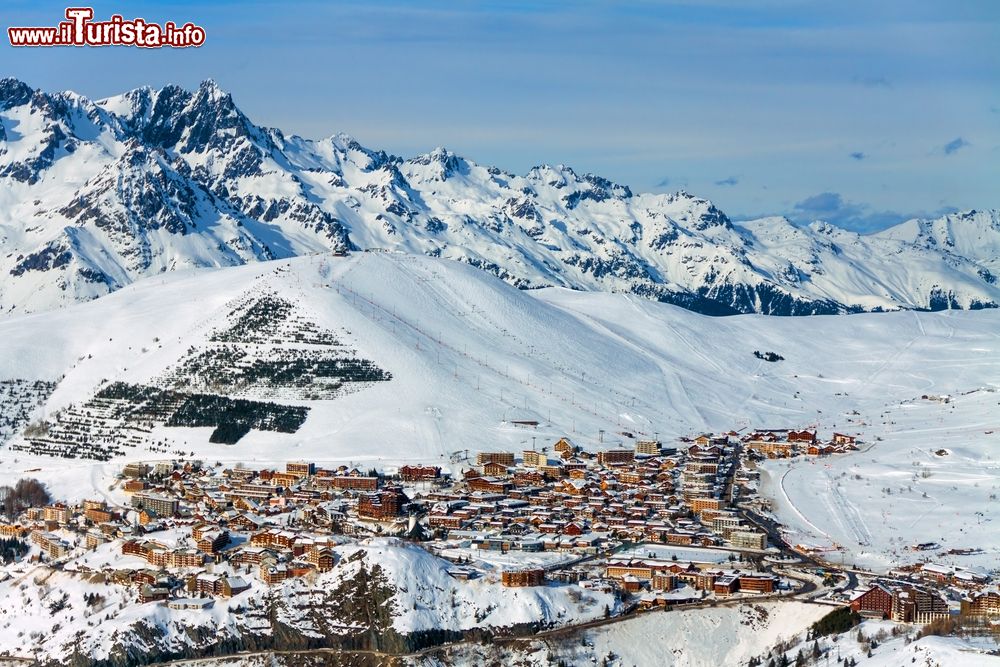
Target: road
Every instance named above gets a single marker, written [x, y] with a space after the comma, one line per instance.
[773, 531]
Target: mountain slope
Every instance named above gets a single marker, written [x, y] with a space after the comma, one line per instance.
[98, 194]
[973, 235]
[406, 358]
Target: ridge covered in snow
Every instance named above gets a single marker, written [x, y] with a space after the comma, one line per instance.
[446, 352]
[98, 194]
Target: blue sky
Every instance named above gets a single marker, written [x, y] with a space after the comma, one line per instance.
[860, 113]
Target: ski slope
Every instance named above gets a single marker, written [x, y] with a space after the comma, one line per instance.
[934, 476]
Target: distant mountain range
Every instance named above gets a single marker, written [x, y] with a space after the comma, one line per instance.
[98, 194]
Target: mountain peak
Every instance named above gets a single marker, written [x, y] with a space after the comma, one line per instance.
[13, 93]
[344, 139]
[442, 162]
[556, 176]
[821, 227]
[211, 87]
[218, 99]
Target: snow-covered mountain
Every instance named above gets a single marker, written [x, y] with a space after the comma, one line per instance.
[452, 355]
[973, 234]
[97, 194]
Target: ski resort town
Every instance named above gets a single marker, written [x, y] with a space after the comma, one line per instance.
[656, 526]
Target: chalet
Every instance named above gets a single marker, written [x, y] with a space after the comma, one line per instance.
[448, 521]
[757, 583]
[939, 573]
[528, 478]
[643, 569]
[564, 445]
[383, 505]
[664, 599]
[808, 437]
[274, 538]
[771, 449]
[300, 468]
[13, 530]
[876, 602]
[352, 482]
[272, 573]
[488, 485]
[210, 541]
[748, 539]
[725, 585]
[495, 470]
[704, 450]
[985, 605]
[148, 593]
[520, 578]
[53, 545]
[913, 605]
[503, 458]
[551, 471]
[419, 473]
[322, 559]
[611, 457]
[647, 448]
[246, 522]
[216, 585]
[533, 459]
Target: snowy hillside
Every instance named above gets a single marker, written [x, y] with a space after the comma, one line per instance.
[931, 477]
[458, 355]
[382, 592]
[97, 194]
[733, 636]
[383, 358]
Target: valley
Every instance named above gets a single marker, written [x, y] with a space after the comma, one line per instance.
[382, 363]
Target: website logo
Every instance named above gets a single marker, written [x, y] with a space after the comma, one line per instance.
[79, 29]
